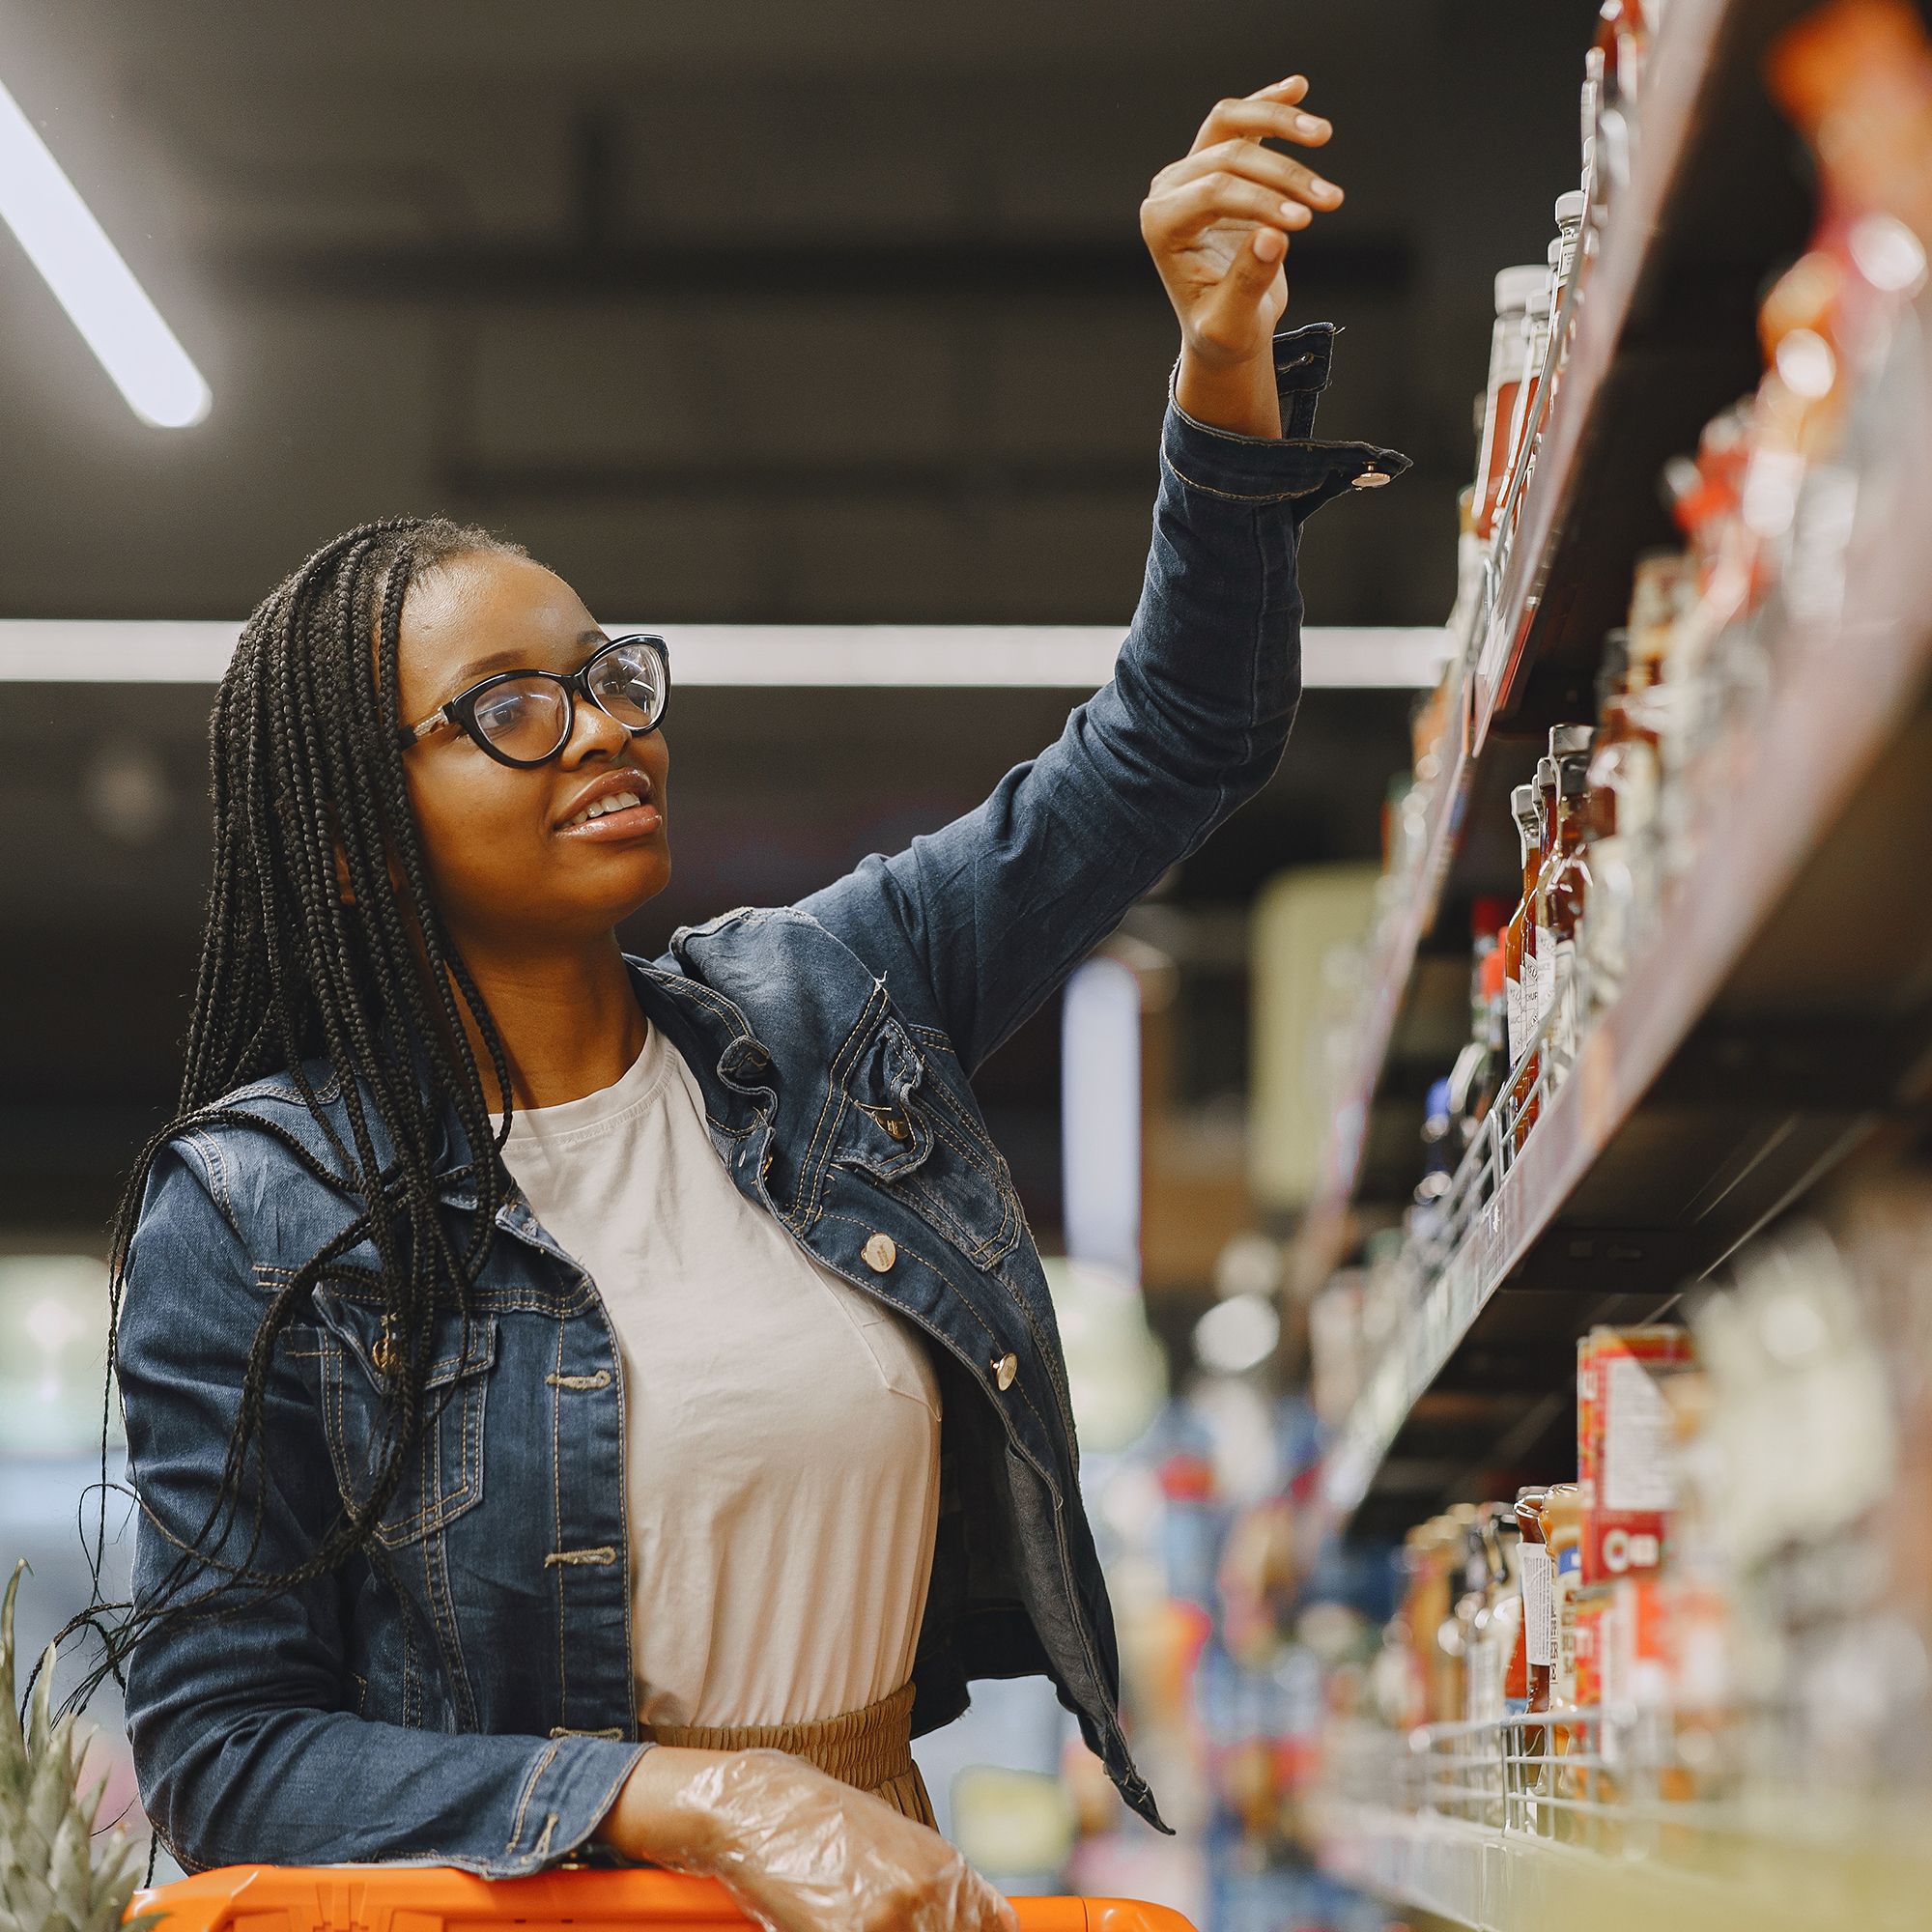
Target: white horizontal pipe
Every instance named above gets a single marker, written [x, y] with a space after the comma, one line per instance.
[1057, 656]
[91, 281]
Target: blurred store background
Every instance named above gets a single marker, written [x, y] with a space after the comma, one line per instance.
[767, 326]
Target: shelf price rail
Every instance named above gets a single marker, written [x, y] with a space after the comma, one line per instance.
[1606, 1817]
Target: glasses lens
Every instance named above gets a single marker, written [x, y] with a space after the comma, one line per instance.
[630, 684]
[523, 717]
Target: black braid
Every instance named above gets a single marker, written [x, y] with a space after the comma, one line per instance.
[303, 751]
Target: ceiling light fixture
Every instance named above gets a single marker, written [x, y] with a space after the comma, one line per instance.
[1051, 657]
[96, 287]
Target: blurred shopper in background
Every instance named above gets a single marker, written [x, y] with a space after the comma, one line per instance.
[472, 1535]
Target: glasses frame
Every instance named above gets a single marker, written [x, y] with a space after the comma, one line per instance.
[460, 711]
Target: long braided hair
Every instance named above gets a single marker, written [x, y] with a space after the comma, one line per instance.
[303, 751]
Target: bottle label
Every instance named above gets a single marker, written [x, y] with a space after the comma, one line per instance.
[1637, 1468]
[1563, 993]
[1532, 996]
[1539, 1605]
[1513, 993]
[1545, 970]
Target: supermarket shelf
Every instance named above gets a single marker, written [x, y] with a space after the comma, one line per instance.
[1498, 1881]
[1590, 506]
[1777, 1019]
[1681, 73]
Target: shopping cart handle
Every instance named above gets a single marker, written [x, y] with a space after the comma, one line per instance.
[440, 1898]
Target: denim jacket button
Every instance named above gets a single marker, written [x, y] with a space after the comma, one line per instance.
[879, 1253]
[1005, 1370]
[1369, 479]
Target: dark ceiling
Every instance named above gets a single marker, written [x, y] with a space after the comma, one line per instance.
[752, 311]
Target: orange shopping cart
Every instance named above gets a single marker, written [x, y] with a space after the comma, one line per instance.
[439, 1898]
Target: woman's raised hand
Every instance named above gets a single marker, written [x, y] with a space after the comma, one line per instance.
[1217, 223]
[801, 1851]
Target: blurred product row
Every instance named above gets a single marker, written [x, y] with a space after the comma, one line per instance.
[1616, 822]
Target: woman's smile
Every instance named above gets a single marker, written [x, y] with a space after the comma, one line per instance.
[613, 807]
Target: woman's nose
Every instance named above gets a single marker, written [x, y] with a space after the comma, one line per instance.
[593, 730]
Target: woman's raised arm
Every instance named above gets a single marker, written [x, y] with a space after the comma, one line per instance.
[986, 916]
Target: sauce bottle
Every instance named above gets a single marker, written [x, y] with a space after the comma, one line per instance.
[1529, 836]
[1562, 890]
[1537, 952]
[1514, 289]
[1526, 423]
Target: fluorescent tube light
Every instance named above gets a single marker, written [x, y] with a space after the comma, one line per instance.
[103, 299]
[1050, 657]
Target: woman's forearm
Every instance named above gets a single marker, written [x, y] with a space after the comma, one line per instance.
[654, 1817]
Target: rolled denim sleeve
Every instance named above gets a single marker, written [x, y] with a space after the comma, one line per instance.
[241, 1751]
[995, 909]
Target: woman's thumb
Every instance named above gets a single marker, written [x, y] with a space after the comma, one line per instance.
[1233, 305]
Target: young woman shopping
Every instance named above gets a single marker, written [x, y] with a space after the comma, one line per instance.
[596, 1407]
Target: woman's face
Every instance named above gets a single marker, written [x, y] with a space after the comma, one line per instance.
[507, 872]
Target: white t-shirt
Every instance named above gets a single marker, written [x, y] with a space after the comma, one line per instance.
[783, 1426]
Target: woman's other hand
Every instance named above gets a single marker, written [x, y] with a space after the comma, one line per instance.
[803, 1852]
[1217, 223]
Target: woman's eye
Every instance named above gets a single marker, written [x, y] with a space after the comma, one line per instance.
[503, 710]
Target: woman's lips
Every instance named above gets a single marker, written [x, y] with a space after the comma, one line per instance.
[635, 821]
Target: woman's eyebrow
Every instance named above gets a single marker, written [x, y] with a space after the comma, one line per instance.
[514, 659]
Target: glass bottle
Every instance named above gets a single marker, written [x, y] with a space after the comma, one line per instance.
[1519, 939]
[1527, 421]
[1562, 891]
[1514, 290]
[1536, 955]
[1620, 818]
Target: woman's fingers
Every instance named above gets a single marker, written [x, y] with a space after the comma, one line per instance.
[1257, 163]
[1267, 114]
[1217, 197]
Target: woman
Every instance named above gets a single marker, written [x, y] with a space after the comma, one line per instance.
[588, 1496]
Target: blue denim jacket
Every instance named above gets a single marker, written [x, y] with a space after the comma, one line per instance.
[461, 1692]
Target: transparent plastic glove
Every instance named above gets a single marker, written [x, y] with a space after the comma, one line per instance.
[802, 1851]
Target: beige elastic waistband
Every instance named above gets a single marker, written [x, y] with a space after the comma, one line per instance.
[866, 1748]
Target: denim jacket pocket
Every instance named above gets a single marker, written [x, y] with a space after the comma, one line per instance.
[442, 1475]
[904, 1128]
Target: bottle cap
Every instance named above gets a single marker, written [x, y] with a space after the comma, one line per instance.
[1569, 208]
[1567, 740]
[1574, 776]
[1546, 774]
[1522, 807]
[1494, 981]
[1487, 916]
[1517, 287]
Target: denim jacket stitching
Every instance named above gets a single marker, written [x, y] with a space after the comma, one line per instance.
[557, 1505]
[1236, 496]
[537, 1770]
[442, 1608]
[813, 1167]
[213, 1174]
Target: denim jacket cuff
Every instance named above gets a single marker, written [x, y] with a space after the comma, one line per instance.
[573, 1785]
[1293, 467]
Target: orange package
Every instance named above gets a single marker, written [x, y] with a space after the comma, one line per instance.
[1624, 1459]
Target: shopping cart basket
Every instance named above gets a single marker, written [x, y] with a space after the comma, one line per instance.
[439, 1898]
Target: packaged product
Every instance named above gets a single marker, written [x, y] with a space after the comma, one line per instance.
[1625, 1467]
